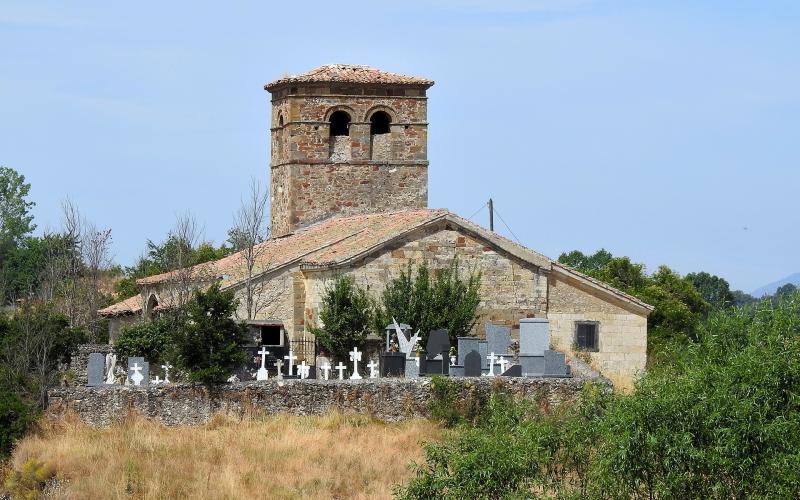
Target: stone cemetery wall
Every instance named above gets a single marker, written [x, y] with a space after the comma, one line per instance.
[80, 360]
[390, 399]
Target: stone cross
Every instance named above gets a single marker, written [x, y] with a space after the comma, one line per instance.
[263, 374]
[491, 357]
[503, 362]
[303, 370]
[341, 368]
[137, 376]
[156, 380]
[326, 370]
[279, 366]
[373, 369]
[166, 373]
[291, 358]
[355, 357]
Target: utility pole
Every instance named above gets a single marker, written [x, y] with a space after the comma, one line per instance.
[491, 215]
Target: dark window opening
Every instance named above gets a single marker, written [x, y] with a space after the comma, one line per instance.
[340, 123]
[270, 334]
[586, 336]
[280, 120]
[379, 123]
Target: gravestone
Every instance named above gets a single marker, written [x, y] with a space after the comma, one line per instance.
[438, 344]
[465, 345]
[456, 371]
[393, 364]
[498, 338]
[554, 364]
[514, 371]
[532, 365]
[439, 365]
[483, 350]
[144, 370]
[534, 336]
[472, 364]
[96, 368]
[412, 367]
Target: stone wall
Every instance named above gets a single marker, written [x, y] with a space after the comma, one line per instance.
[510, 289]
[80, 360]
[622, 333]
[387, 399]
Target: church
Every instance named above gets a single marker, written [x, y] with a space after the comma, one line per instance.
[349, 195]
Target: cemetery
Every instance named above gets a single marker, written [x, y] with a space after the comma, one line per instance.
[396, 385]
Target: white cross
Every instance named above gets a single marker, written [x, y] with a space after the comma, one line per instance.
[137, 376]
[263, 374]
[491, 357]
[291, 357]
[326, 370]
[373, 369]
[279, 365]
[355, 357]
[341, 369]
[166, 372]
[156, 380]
[303, 370]
[503, 362]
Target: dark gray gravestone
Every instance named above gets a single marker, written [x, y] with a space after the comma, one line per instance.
[436, 366]
[96, 369]
[456, 371]
[465, 345]
[393, 364]
[514, 371]
[534, 336]
[438, 343]
[532, 366]
[472, 364]
[498, 338]
[144, 370]
[554, 365]
[483, 350]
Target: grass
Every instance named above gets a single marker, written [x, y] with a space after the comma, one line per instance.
[331, 456]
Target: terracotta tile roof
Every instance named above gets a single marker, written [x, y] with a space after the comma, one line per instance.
[132, 305]
[349, 73]
[335, 241]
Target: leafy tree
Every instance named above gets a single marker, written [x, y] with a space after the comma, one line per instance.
[785, 290]
[741, 298]
[586, 263]
[150, 339]
[346, 316]
[15, 218]
[715, 290]
[429, 302]
[209, 343]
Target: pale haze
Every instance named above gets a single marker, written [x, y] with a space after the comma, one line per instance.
[665, 131]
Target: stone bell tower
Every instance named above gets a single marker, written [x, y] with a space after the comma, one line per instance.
[346, 140]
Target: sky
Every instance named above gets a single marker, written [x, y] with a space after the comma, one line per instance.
[664, 131]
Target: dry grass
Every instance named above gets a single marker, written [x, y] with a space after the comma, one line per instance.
[332, 456]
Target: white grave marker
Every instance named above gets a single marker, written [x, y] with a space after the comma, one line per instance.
[166, 373]
[291, 358]
[137, 376]
[373, 369]
[263, 374]
[491, 357]
[156, 380]
[355, 357]
[279, 366]
[303, 370]
[503, 363]
[326, 371]
[341, 368]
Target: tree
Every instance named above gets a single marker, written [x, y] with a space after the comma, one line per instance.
[428, 302]
[149, 339]
[715, 290]
[346, 316]
[15, 218]
[208, 342]
[586, 263]
[248, 232]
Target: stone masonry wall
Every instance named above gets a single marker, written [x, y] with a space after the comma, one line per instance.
[387, 399]
[510, 290]
[622, 334]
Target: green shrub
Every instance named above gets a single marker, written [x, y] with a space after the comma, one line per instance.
[346, 315]
[30, 480]
[16, 417]
[150, 339]
[208, 342]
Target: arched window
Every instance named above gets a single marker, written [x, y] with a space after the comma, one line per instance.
[379, 123]
[340, 123]
[280, 119]
[152, 304]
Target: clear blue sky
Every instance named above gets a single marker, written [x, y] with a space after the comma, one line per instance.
[658, 130]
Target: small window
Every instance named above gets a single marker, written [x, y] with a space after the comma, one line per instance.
[340, 123]
[271, 335]
[586, 336]
[280, 120]
[379, 123]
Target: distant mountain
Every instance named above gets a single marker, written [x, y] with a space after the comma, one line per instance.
[773, 287]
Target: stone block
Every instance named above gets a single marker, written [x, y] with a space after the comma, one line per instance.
[412, 367]
[498, 338]
[456, 371]
[483, 350]
[465, 346]
[96, 369]
[472, 364]
[513, 371]
[531, 365]
[554, 364]
[534, 336]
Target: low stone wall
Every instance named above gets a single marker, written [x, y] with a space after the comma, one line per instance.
[388, 399]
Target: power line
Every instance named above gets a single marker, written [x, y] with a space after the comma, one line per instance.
[476, 211]
[507, 227]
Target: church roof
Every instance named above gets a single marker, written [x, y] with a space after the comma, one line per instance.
[342, 240]
[132, 305]
[349, 73]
